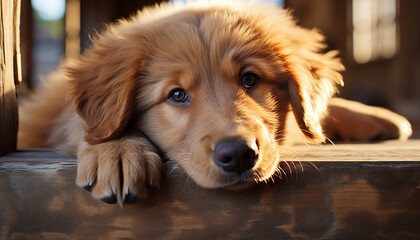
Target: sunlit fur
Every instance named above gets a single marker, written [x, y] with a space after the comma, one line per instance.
[117, 110]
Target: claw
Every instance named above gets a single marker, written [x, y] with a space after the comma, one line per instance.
[110, 199]
[88, 187]
[131, 198]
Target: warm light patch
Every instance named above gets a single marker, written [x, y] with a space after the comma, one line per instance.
[374, 29]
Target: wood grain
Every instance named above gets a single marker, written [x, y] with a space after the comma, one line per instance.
[10, 75]
[334, 197]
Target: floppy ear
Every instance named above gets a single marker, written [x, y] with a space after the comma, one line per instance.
[104, 84]
[314, 76]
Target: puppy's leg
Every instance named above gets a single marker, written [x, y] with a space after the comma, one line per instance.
[119, 170]
[352, 121]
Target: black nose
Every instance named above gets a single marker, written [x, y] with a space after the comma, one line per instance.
[234, 155]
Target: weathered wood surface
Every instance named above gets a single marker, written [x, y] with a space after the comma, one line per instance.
[351, 191]
[10, 76]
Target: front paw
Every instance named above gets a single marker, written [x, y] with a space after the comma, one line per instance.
[120, 170]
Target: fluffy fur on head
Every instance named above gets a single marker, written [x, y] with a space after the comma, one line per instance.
[243, 69]
[114, 64]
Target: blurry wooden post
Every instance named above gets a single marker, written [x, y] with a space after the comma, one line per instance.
[72, 29]
[10, 73]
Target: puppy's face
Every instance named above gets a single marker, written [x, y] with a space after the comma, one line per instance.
[210, 87]
[214, 99]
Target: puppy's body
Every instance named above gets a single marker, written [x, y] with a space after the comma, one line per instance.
[217, 88]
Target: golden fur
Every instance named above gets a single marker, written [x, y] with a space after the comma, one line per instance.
[118, 113]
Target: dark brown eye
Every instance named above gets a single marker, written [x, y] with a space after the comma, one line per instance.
[178, 96]
[249, 80]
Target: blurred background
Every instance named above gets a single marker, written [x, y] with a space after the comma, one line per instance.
[378, 40]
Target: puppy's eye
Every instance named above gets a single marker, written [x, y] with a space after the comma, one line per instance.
[178, 96]
[249, 80]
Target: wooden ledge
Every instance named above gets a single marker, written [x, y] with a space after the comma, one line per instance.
[388, 151]
[347, 191]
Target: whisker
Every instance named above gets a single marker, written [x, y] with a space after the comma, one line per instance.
[299, 177]
[332, 143]
[290, 170]
[287, 149]
[174, 166]
[327, 139]
[316, 168]
[296, 172]
[302, 169]
[279, 172]
[258, 176]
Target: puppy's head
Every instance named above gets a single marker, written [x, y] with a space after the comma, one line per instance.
[211, 86]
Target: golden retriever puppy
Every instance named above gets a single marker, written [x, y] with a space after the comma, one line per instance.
[217, 88]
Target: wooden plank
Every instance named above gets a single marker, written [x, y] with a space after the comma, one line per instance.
[391, 151]
[366, 199]
[9, 73]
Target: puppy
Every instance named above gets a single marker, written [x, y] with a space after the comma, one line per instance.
[217, 88]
